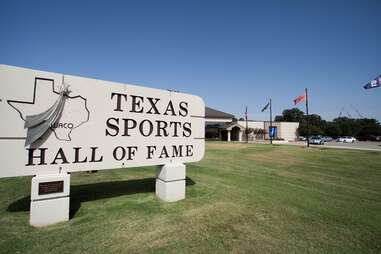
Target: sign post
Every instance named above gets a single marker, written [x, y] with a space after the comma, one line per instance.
[54, 124]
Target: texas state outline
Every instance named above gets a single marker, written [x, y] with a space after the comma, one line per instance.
[14, 103]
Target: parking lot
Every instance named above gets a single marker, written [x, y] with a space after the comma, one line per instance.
[359, 145]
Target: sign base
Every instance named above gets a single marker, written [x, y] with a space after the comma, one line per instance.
[50, 211]
[170, 182]
[50, 201]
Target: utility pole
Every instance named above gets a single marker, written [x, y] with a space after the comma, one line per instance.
[308, 127]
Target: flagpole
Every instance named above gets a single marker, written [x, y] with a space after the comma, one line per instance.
[271, 121]
[308, 127]
[247, 128]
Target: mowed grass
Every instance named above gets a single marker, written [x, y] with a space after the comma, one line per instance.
[241, 198]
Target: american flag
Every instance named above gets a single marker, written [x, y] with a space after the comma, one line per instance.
[300, 98]
[374, 83]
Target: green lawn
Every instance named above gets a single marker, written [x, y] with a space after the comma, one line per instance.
[240, 199]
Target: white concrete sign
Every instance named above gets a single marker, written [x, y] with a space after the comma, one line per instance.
[53, 123]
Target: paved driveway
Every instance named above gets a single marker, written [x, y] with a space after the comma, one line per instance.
[359, 145]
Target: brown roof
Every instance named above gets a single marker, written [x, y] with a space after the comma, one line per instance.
[212, 113]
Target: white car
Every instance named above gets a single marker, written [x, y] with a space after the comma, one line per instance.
[346, 139]
[301, 138]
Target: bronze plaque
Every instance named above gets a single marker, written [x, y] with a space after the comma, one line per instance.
[50, 187]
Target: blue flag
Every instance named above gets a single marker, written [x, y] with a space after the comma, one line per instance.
[374, 83]
[272, 131]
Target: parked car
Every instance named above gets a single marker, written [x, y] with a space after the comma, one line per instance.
[327, 139]
[301, 138]
[346, 139]
[316, 140]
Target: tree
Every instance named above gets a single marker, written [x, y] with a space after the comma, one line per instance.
[342, 126]
[316, 125]
[315, 119]
[332, 129]
[346, 125]
[313, 130]
[368, 127]
[290, 115]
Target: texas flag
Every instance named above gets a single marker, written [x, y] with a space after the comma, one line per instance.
[300, 98]
[374, 83]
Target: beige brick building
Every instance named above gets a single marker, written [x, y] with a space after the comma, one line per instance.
[223, 126]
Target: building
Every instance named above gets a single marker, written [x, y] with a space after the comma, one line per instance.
[223, 126]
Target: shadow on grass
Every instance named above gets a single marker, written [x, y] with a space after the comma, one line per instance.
[95, 191]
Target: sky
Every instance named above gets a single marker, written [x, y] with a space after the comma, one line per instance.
[231, 53]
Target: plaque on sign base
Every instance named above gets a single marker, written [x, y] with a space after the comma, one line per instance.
[49, 199]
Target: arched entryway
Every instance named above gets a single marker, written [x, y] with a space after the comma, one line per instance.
[235, 134]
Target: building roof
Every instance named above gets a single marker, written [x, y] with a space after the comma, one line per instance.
[212, 113]
[230, 126]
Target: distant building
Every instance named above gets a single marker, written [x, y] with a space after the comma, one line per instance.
[223, 126]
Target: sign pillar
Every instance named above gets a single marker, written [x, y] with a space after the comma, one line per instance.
[49, 199]
[170, 182]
